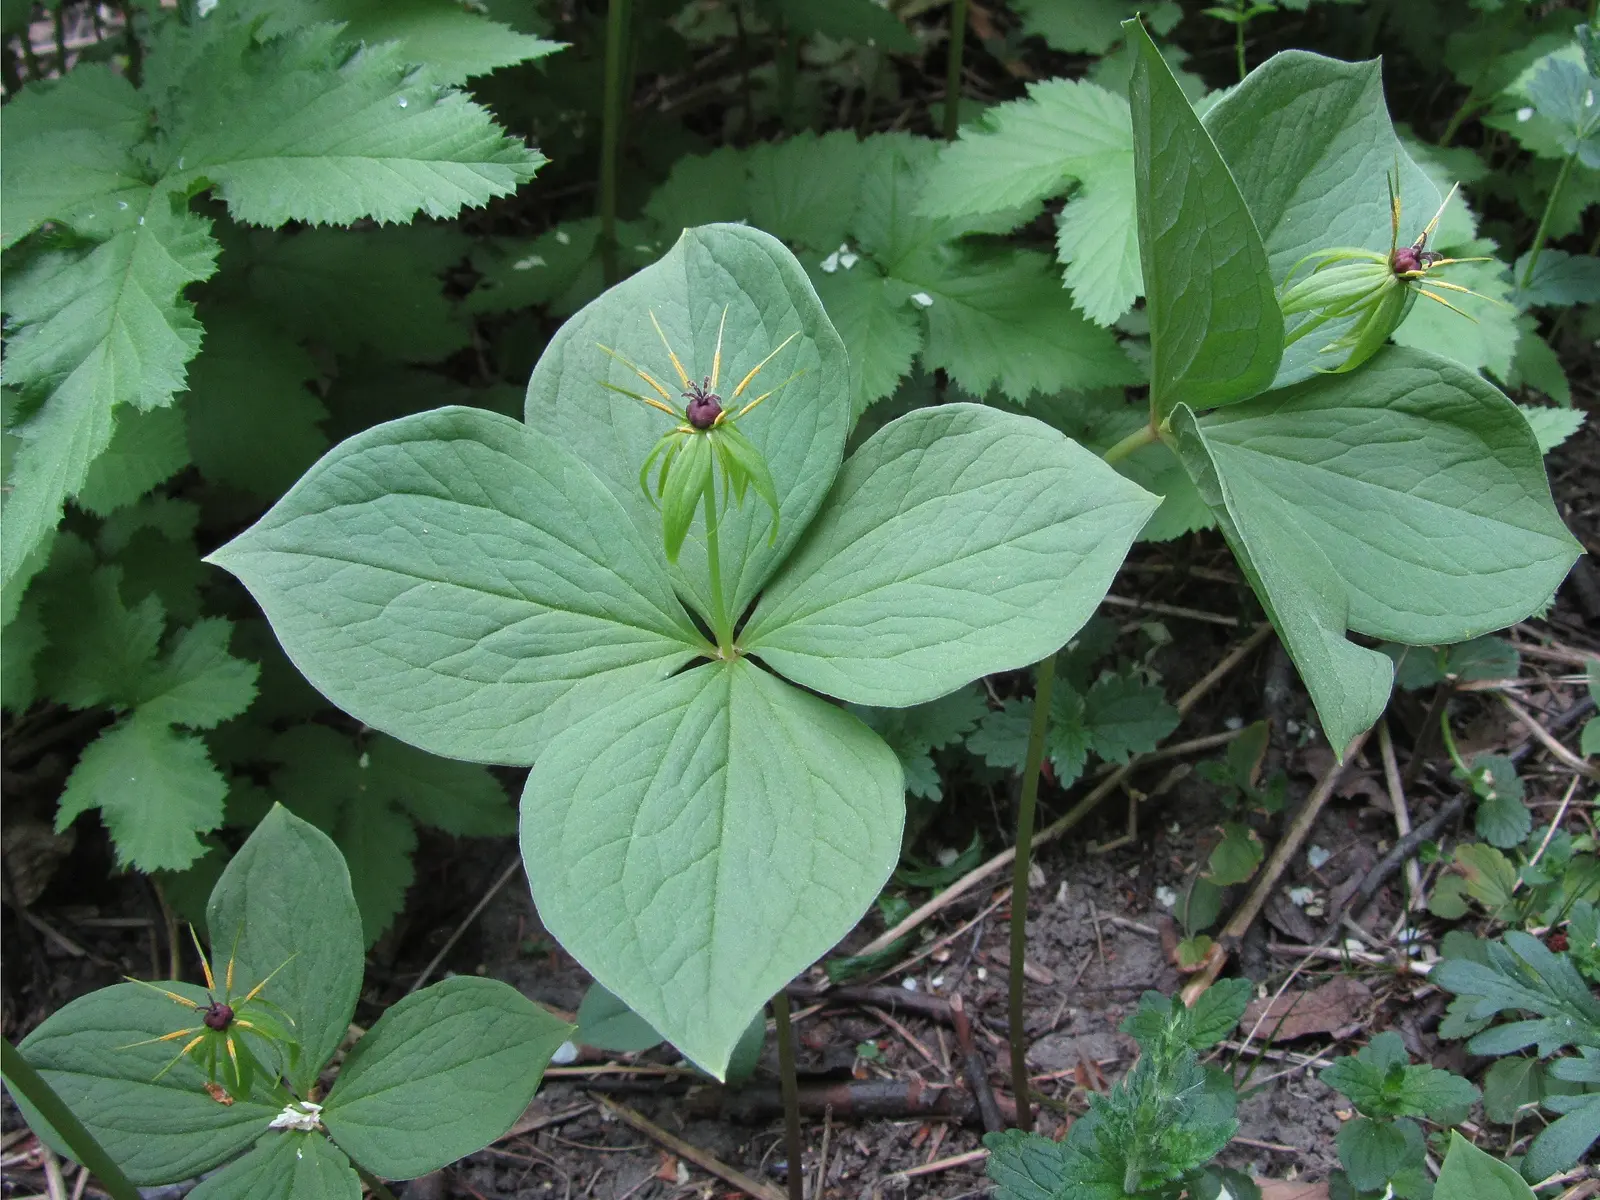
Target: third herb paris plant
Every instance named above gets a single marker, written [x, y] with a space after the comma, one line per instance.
[700, 824]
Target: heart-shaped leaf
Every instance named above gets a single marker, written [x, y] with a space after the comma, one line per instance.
[698, 844]
[713, 272]
[464, 583]
[1216, 334]
[1309, 142]
[957, 541]
[443, 1073]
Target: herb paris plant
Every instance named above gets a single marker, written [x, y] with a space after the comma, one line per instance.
[696, 828]
[439, 1075]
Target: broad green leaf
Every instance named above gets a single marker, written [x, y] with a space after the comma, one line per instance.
[1236, 857]
[804, 189]
[92, 330]
[881, 331]
[1309, 142]
[452, 41]
[958, 541]
[68, 154]
[698, 844]
[1559, 279]
[1552, 426]
[443, 1073]
[157, 1130]
[285, 1166]
[1421, 484]
[146, 449]
[800, 430]
[1001, 319]
[283, 904]
[1562, 92]
[606, 1023]
[464, 583]
[154, 787]
[1032, 149]
[1298, 586]
[1564, 1142]
[1470, 1174]
[253, 422]
[327, 137]
[1216, 334]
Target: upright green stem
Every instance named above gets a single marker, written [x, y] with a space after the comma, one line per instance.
[791, 1097]
[1238, 46]
[722, 626]
[1544, 220]
[1019, 883]
[1141, 436]
[29, 1085]
[611, 134]
[952, 78]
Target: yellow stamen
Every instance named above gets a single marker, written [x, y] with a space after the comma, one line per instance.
[676, 365]
[167, 1037]
[173, 996]
[716, 359]
[211, 983]
[639, 371]
[756, 370]
[1434, 224]
[764, 395]
[256, 991]
[1447, 303]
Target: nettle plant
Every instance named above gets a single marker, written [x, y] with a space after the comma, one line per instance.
[699, 824]
[174, 1081]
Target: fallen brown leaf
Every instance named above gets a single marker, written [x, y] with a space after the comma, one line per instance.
[1326, 1009]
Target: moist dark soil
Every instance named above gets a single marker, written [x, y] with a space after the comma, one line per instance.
[1100, 932]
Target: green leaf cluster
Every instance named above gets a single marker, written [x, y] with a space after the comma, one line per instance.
[443, 1072]
[1155, 1133]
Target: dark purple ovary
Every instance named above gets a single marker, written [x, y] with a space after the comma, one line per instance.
[704, 407]
[219, 1016]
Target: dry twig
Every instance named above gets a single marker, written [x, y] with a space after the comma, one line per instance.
[706, 1162]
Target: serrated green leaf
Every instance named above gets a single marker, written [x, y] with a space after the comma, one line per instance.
[24, 637]
[1512, 1085]
[68, 154]
[1078, 27]
[285, 1166]
[1001, 738]
[1215, 329]
[91, 331]
[1502, 818]
[1024, 1166]
[440, 1075]
[1323, 183]
[328, 137]
[767, 297]
[101, 649]
[1376, 1152]
[1126, 716]
[722, 771]
[452, 41]
[155, 789]
[1032, 149]
[928, 518]
[283, 904]
[1236, 857]
[376, 289]
[457, 797]
[1552, 426]
[146, 449]
[804, 189]
[862, 21]
[157, 1130]
[253, 423]
[1562, 92]
[701, 189]
[881, 332]
[1521, 973]
[1001, 319]
[1559, 279]
[497, 532]
[198, 684]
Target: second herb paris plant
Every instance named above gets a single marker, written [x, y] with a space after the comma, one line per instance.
[696, 828]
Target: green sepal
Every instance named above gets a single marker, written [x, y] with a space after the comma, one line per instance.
[1372, 331]
[1337, 287]
[745, 468]
[666, 450]
[682, 489]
